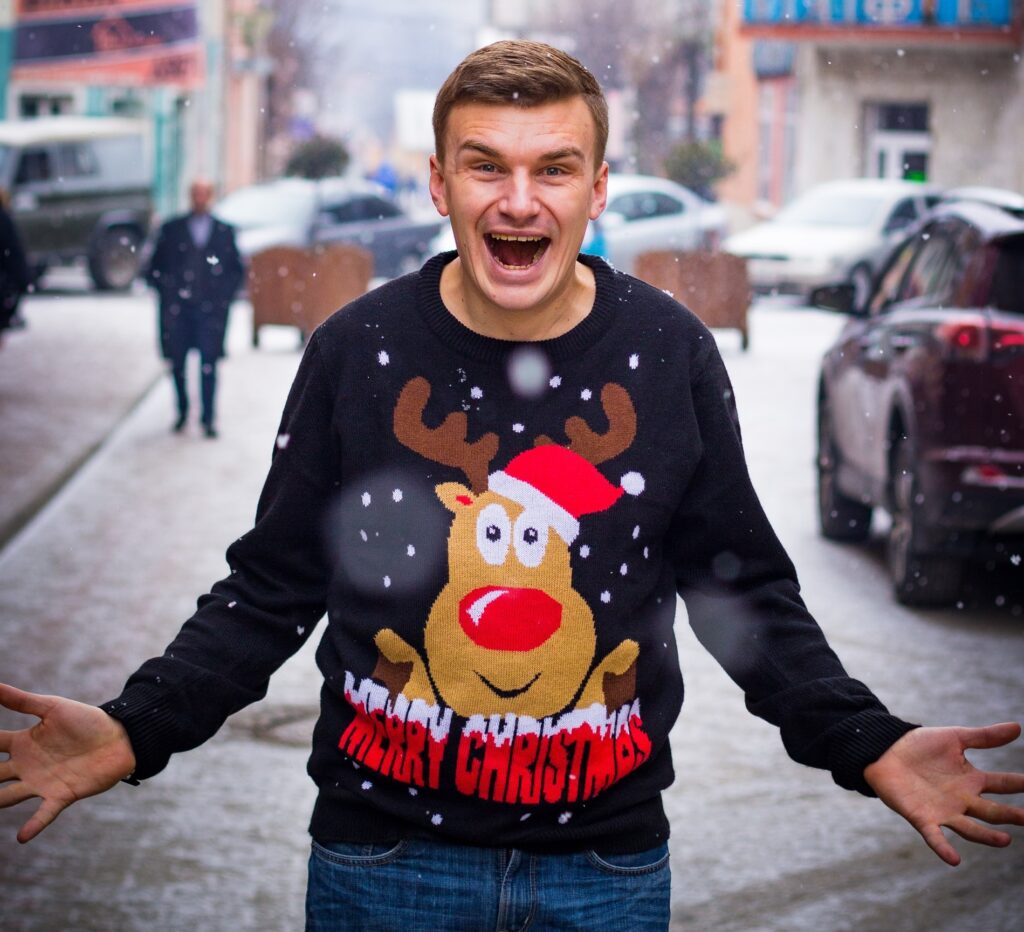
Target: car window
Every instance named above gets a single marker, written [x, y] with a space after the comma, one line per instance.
[643, 205]
[1007, 292]
[376, 208]
[932, 272]
[76, 160]
[34, 166]
[889, 286]
[901, 216]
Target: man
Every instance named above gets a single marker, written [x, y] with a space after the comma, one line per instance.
[196, 270]
[517, 458]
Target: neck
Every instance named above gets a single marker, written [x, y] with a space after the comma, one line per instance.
[557, 316]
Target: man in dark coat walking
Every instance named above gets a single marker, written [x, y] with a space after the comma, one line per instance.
[196, 270]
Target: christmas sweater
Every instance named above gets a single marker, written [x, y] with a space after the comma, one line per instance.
[497, 533]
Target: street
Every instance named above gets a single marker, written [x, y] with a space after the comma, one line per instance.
[102, 575]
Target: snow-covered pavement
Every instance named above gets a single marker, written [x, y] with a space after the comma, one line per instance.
[104, 575]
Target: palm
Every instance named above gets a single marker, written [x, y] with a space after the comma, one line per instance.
[74, 751]
[927, 779]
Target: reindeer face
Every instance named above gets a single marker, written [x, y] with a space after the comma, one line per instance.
[508, 632]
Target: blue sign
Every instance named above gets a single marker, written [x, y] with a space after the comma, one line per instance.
[947, 13]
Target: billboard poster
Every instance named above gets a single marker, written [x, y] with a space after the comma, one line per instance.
[118, 42]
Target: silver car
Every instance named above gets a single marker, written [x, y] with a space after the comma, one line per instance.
[837, 232]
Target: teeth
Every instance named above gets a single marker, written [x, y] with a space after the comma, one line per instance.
[516, 239]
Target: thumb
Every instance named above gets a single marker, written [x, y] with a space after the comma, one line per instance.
[20, 701]
[990, 736]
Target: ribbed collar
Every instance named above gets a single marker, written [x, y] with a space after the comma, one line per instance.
[453, 333]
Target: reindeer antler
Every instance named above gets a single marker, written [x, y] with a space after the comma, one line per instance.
[444, 444]
[596, 447]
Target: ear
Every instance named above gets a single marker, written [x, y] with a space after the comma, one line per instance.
[599, 193]
[437, 188]
[454, 495]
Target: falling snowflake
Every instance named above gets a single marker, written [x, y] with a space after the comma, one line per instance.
[367, 785]
[585, 551]
[623, 570]
[647, 553]
[397, 495]
[476, 392]
[232, 604]
[525, 816]
[636, 532]
[564, 817]
[212, 260]
[365, 499]
[364, 535]
[300, 630]
[437, 818]
[518, 428]
[282, 440]
[410, 550]
[413, 791]
[387, 582]
[634, 361]
[555, 381]
[383, 358]
[586, 394]
[606, 597]
[1015, 559]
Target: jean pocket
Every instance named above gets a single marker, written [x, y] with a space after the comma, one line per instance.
[361, 854]
[631, 865]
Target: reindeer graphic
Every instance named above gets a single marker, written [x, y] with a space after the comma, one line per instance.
[508, 633]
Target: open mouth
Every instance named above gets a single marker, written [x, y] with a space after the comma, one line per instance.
[508, 693]
[515, 252]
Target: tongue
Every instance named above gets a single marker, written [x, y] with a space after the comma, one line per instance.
[514, 252]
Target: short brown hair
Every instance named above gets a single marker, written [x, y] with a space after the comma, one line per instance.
[524, 74]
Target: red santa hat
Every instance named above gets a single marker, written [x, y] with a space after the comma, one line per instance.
[557, 483]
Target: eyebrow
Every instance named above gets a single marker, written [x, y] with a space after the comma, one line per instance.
[555, 155]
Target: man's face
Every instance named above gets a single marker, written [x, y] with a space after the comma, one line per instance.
[201, 196]
[520, 185]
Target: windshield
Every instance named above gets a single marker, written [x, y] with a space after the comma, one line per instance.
[267, 205]
[831, 209]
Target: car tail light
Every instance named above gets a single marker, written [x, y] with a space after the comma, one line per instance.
[991, 475]
[973, 338]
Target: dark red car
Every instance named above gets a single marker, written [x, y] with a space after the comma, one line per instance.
[921, 402]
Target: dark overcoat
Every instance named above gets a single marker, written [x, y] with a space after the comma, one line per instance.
[15, 275]
[196, 286]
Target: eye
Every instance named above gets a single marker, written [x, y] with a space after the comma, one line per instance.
[493, 533]
[531, 539]
[553, 171]
[487, 168]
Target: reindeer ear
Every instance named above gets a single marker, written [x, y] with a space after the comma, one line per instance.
[454, 495]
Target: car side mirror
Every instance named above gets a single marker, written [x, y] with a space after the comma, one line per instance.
[840, 298]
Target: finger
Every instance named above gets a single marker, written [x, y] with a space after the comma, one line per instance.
[6, 771]
[990, 736]
[938, 842]
[6, 737]
[48, 810]
[979, 834]
[994, 782]
[20, 701]
[14, 794]
[996, 813]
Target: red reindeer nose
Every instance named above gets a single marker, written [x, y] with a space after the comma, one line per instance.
[509, 619]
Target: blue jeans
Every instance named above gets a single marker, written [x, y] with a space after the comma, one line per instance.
[435, 887]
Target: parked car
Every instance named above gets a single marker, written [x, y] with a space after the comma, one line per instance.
[300, 212]
[80, 188]
[836, 232]
[921, 401]
[644, 213]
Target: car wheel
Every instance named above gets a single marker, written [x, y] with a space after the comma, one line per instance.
[860, 278]
[918, 577]
[114, 258]
[839, 517]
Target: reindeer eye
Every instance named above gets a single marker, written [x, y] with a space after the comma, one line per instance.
[531, 536]
[493, 532]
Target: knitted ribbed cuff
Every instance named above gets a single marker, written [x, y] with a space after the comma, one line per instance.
[859, 741]
[149, 724]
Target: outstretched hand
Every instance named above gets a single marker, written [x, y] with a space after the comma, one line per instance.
[927, 779]
[73, 751]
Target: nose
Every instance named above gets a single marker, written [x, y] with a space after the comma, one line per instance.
[509, 619]
[519, 200]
